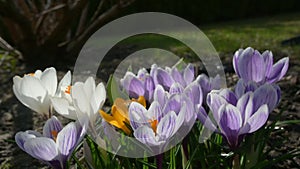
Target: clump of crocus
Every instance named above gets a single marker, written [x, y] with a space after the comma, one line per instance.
[144, 83]
[167, 114]
[234, 117]
[119, 113]
[56, 144]
[34, 90]
[251, 65]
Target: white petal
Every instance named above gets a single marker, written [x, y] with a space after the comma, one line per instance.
[49, 80]
[80, 100]
[98, 98]
[89, 87]
[65, 81]
[64, 108]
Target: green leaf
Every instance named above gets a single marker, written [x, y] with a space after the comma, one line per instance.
[114, 91]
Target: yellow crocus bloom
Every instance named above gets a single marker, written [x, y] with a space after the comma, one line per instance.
[119, 113]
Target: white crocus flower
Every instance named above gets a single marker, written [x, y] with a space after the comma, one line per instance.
[35, 89]
[88, 98]
[81, 100]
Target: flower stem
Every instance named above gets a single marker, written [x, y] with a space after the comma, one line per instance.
[185, 147]
[236, 162]
[159, 161]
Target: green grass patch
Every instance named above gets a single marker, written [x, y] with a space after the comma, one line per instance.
[261, 33]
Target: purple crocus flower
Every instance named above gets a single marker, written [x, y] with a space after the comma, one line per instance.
[251, 65]
[243, 87]
[56, 144]
[166, 77]
[138, 85]
[208, 83]
[154, 127]
[177, 96]
[234, 117]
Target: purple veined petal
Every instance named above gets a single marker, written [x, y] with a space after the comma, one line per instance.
[214, 101]
[230, 123]
[155, 111]
[136, 88]
[149, 88]
[21, 137]
[190, 112]
[125, 82]
[265, 94]
[205, 119]
[251, 65]
[52, 125]
[258, 119]
[278, 70]
[49, 80]
[240, 88]
[166, 126]
[236, 60]
[243, 87]
[137, 115]
[194, 92]
[278, 90]
[172, 104]
[189, 73]
[176, 88]
[160, 95]
[228, 95]
[215, 82]
[204, 82]
[67, 140]
[153, 73]
[164, 79]
[251, 86]
[177, 76]
[41, 148]
[245, 106]
[180, 119]
[146, 135]
[268, 58]
[142, 74]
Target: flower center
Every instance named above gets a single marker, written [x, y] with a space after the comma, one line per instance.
[68, 90]
[153, 124]
[54, 134]
[30, 74]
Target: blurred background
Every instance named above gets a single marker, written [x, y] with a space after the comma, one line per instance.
[35, 34]
[47, 32]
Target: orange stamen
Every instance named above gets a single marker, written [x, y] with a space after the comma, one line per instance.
[30, 74]
[54, 134]
[68, 90]
[154, 124]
